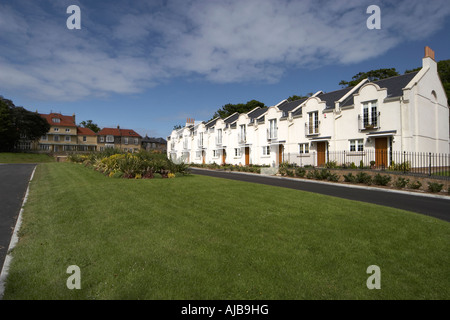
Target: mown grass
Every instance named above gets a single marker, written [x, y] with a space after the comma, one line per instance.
[9, 157]
[198, 237]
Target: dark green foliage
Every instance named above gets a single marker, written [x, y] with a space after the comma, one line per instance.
[381, 180]
[414, 185]
[435, 187]
[373, 75]
[401, 183]
[349, 178]
[228, 109]
[300, 172]
[17, 123]
[91, 125]
[363, 177]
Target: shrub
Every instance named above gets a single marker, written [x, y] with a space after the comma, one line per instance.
[380, 180]
[361, 164]
[157, 176]
[290, 173]
[414, 185]
[350, 178]
[401, 183]
[435, 187]
[404, 166]
[331, 165]
[311, 174]
[333, 177]
[363, 177]
[352, 165]
[300, 172]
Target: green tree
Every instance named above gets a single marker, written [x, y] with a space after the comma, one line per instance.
[372, 75]
[91, 125]
[17, 123]
[295, 97]
[228, 109]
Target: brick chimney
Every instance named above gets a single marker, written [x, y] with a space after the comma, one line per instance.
[429, 53]
[189, 121]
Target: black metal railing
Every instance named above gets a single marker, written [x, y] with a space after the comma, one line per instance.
[415, 163]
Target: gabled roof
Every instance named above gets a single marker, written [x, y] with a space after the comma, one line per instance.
[232, 118]
[290, 105]
[64, 121]
[257, 113]
[394, 86]
[211, 123]
[118, 132]
[85, 131]
[331, 97]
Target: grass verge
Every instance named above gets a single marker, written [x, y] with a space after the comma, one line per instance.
[198, 237]
[9, 157]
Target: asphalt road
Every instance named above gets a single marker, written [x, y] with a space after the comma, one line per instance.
[434, 207]
[13, 186]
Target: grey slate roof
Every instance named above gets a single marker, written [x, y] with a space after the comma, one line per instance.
[394, 86]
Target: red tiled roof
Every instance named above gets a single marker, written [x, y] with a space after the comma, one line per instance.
[118, 132]
[64, 121]
[85, 131]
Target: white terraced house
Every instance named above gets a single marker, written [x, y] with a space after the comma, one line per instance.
[380, 121]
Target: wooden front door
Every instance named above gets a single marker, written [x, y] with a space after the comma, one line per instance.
[224, 156]
[247, 156]
[381, 152]
[203, 157]
[280, 154]
[321, 153]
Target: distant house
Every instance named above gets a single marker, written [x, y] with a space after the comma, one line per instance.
[62, 135]
[150, 144]
[86, 139]
[124, 139]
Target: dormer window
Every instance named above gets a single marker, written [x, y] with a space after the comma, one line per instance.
[56, 120]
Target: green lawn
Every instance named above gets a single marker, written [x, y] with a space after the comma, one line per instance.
[197, 237]
[8, 157]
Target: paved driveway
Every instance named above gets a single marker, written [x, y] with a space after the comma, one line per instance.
[13, 185]
[434, 207]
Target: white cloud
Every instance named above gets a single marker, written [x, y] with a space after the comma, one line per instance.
[126, 49]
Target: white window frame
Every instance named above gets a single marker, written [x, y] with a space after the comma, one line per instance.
[56, 120]
[357, 145]
[273, 129]
[237, 152]
[215, 153]
[67, 129]
[303, 148]
[56, 138]
[67, 138]
[102, 139]
[136, 141]
[55, 129]
[84, 138]
[266, 151]
[125, 140]
[372, 112]
[110, 138]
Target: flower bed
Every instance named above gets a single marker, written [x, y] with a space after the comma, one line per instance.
[142, 165]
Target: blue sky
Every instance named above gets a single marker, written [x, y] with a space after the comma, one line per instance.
[149, 65]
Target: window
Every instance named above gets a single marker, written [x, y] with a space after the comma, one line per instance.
[109, 145]
[67, 130]
[242, 133]
[237, 152]
[313, 122]
[67, 138]
[273, 130]
[56, 120]
[136, 141]
[219, 136]
[304, 148]
[266, 151]
[125, 140]
[370, 115]
[215, 153]
[55, 138]
[102, 139]
[84, 138]
[109, 138]
[356, 145]
[44, 147]
[200, 139]
[44, 138]
[56, 129]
